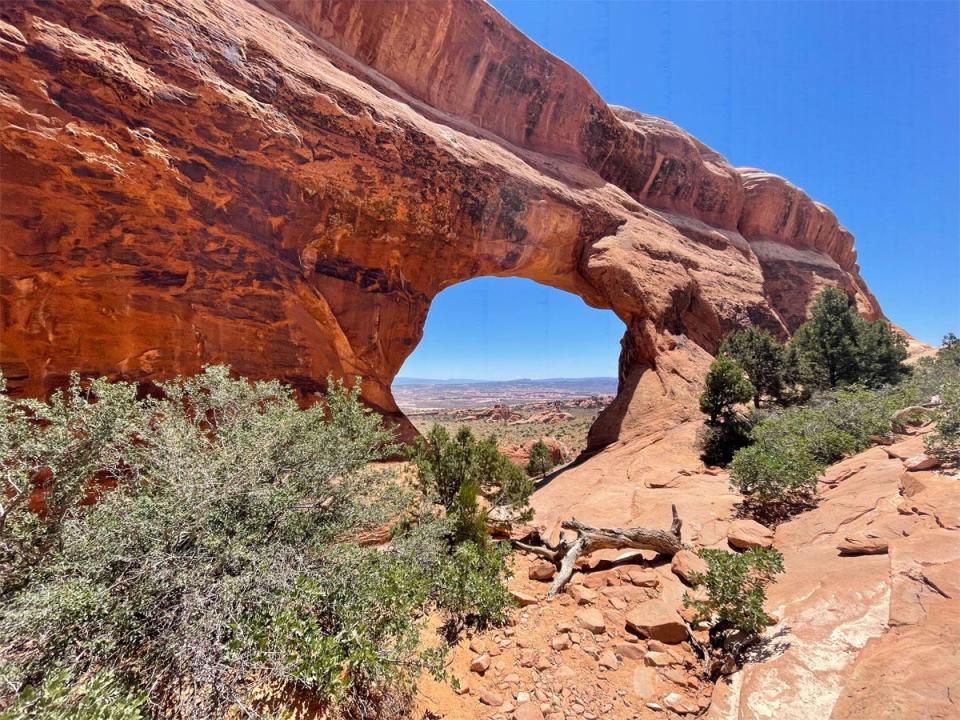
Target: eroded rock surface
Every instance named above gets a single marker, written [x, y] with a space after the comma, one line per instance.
[286, 185]
[856, 636]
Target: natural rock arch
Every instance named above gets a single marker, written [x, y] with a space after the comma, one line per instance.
[285, 186]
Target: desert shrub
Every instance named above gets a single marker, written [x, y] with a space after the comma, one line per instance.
[735, 586]
[540, 461]
[717, 442]
[780, 471]
[444, 464]
[471, 584]
[100, 696]
[835, 424]
[880, 354]
[760, 355]
[823, 351]
[222, 561]
[944, 441]
[55, 449]
[793, 445]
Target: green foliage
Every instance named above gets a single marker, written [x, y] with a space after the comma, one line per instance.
[725, 430]
[823, 351]
[944, 441]
[541, 460]
[949, 352]
[793, 445]
[100, 696]
[941, 376]
[725, 386]
[837, 347]
[471, 584]
[782, 470]
[56, 449]
[735, 585]
[221, 561]
[760, 355]
[719, 441]
[445, 464]
[880, 354]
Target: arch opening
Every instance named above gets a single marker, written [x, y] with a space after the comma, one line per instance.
[515, 358]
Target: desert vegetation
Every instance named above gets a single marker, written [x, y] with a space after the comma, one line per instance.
[216, 549]
[832, 391]
[732, 602]
[541, 461]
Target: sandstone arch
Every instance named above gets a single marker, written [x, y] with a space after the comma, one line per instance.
[286, 185]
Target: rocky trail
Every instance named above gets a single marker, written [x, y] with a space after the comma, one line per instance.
[867, 614]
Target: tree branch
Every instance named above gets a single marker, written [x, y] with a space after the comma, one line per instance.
[590, 539]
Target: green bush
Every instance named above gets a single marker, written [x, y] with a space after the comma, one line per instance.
[760, 355]
[223, 559]
[100, 696]
[725, 430]
[471, 584]
[735, 585]
[445, 464]
[774, 472]
[718, 442]
[792, 446]
[944, 441]
[837, 347]
[823, 351]
[725, 386]
[880, 354]
[540, 461]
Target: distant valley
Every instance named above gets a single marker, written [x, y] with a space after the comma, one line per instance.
[418, 394]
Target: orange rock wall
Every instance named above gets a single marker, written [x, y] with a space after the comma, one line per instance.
[286, 186]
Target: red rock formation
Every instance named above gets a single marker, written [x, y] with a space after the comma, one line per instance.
[285, 187]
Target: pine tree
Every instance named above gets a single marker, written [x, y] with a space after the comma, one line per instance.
[541, 461]
[823, 351]
[760, 355]
[881, 353]
[726, 385]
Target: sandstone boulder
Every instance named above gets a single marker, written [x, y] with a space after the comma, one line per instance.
[480, 664]
[921, 462]
[528, 711]
[864, 543]
[582, 594]
[685, 563]
[489, 697]
[744, 534]
[681, 704]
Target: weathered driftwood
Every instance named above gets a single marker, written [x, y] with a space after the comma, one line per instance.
[589, 539]
[927, 408]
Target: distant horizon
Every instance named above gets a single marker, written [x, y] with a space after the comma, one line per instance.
[411, 380]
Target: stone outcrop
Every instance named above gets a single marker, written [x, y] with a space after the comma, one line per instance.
[285, 185]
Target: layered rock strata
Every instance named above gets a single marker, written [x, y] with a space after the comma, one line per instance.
[285, 186]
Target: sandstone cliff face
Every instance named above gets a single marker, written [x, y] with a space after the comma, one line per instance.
[286, 185]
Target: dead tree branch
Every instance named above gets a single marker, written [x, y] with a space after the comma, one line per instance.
[589, 539]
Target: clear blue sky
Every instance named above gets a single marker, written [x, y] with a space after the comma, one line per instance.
[856, 102]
